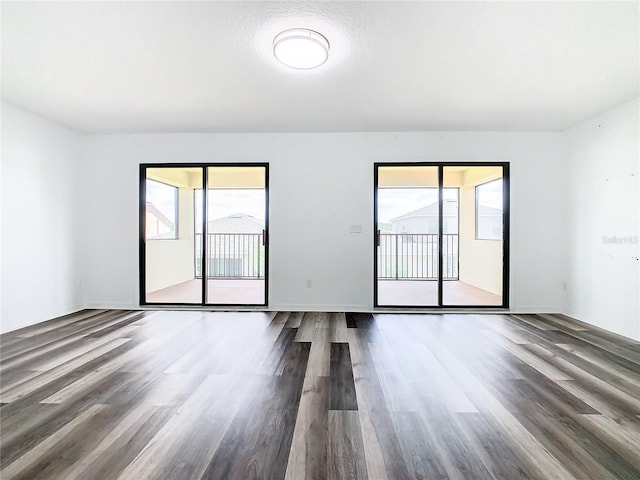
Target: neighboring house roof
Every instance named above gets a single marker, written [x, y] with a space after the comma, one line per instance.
[449, 209]
[489, 211]
[236, 223]
[153, 210]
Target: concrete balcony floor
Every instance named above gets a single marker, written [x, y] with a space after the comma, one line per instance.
[219, 291]
[390, 293]
[425, 293]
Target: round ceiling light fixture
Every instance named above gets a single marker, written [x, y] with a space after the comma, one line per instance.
[301, 48]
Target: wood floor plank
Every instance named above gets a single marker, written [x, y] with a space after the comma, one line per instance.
[311, 322]
[338, 331]
[493, 448]
[111, 457]
[294, 319]
[550, 393]
[508, 329]
[38, 335]
[621, 438]
[606, 344]
[578, 450]
[342, 390]
[39, 379]
[454, 398]
[345, 452]
[560, 321]
[320, 354]
[534, 361]
[419, 448]
[120, 394]
[53, 324]
[606, 362]
[308, 455]
[380, 439]
[77, 445]
[26, 358]
[178, 428]
[396, 388]
[71, 329]
[364, 322]
[192, 455]
[258, 441]
[629, 402]
[118, 326]
[50, 355]
[364, 377]
[43, 449]
[544, 464]
[447, 439]
[15, 442]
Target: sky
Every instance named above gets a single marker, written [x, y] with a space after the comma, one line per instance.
[223, 203]
[162, 196]
[393, 202]
[491, 194]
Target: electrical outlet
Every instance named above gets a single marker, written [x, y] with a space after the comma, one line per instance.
[309, 284]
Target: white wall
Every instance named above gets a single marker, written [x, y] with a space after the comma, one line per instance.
[603, 277]
[170, 262]
[320, 185]
[40, 271]
[480, 260]
[69, 213]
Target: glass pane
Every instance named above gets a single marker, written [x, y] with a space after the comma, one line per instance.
[172, 248]
[236, 213]
[472, 268]
[161, 210]
[489, 210]
[407, 235]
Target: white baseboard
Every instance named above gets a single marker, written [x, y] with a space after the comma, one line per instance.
[304, 307]
[111, 306]
[535, 309]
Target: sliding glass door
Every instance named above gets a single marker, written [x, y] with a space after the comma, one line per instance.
[407, 235]
[236, 235]
[441, 235]
[169, 223]
[185, 260]
[480, 215]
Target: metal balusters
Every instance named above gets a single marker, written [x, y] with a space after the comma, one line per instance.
[404, 256]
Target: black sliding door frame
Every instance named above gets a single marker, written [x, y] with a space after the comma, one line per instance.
[203, 249]
[505, 231]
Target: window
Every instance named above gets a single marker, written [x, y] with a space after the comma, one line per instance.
[161, 211]
[489, 211]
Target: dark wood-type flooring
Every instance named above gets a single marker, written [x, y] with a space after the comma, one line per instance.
[230, 395]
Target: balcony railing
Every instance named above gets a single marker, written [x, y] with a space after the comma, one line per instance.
[400, 256]
[405, 256]
[231, 255]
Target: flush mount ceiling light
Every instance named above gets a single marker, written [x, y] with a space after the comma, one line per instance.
[301, 48]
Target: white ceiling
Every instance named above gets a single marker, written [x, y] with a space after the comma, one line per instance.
[207, 66]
